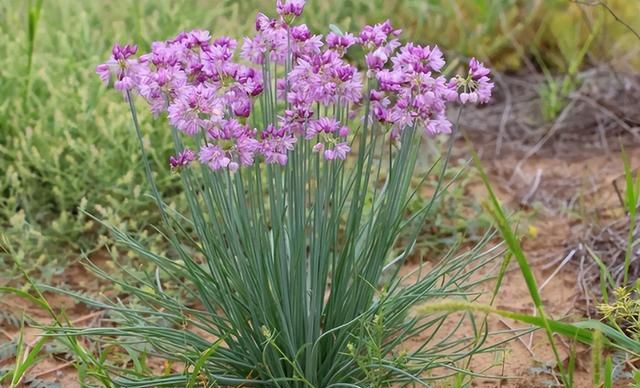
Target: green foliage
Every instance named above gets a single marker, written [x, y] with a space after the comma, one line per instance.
[608, 373]
[620, 304]
[554, 93]
[88, 366]
[506, 33]
[631, 204]
[25, 357]
[570, 35]
[515, 248]
[286, 264]
[69, 148]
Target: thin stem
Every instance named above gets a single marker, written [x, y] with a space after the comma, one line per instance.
[145, 159]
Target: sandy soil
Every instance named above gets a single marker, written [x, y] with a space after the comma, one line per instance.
[564, 191]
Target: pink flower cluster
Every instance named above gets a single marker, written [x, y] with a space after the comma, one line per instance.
[211, 95]
[476, 88]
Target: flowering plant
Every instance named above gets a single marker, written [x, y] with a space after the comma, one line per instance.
[208, 95]
[297, 167]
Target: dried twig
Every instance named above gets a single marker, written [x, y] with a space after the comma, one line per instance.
[536, 182]
[552, 131]
[6, 334]
[615, 16]
[87, 317]
[518, 337]
[54, 369]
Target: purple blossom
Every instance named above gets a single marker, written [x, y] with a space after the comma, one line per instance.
[376, 60]
[477, 70]
[276, 144]
[270, 40]
[326, 79]
[413, 94]
[323, 125]
[123, 52]
[290, 8]
[198, 38]
[196, 79]
[380, 106]
[195, 108]
[163, 54]
[391, 81]
[160, 87]
[304, 44]
[230, 145]
[476, 88]
[379, 35]
[263, 22]
[296, 118]
[242, 107]
[182, 159]
[340, 43]
[331, 135]
[450, 91]
[220, 51]
[300, 33]
[339, 151]
[215, 157]
[419, 59]
[120, 67]
[438, 125]
[249, 80]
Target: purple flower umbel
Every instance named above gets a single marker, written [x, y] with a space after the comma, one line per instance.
[476, 88]
[340, 42]
[120, 67]
[182, 159]
[290, 8]
[312, 88]
[331, 138]
[195, 109]
[276, 144]
[230, 145]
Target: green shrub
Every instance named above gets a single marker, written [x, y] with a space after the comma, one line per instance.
[66, 145]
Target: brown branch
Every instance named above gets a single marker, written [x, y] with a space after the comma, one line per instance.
[606, 6]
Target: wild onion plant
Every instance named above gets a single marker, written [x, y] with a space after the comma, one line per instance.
[298, 169]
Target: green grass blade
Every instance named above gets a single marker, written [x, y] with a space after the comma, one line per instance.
[606, 281]
[32, 23]
[25, 362]
[631, 203]
[617, 337]
[495, 208]
[596, 358]
[608, 373]
[580, 331]
[200, 363]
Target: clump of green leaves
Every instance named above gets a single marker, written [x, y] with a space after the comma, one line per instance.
[291, 262]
